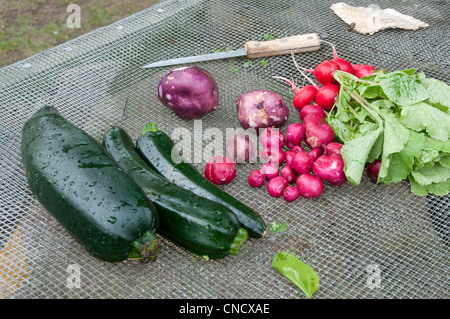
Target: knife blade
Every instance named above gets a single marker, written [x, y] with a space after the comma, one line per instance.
[253, 49]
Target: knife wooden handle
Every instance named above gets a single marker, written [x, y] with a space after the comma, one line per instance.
[293, 44]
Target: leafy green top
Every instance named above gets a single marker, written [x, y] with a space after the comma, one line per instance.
[401, 117]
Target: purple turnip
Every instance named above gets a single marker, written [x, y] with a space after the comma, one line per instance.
[190, 92]
[261, 108]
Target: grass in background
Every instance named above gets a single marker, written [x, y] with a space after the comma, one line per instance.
[29, 27]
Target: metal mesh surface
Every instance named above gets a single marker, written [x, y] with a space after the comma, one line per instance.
[341, 234]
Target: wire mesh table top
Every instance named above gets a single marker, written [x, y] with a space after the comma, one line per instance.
[343, 235]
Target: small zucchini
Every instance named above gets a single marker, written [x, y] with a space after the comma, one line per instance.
[73, 177]
[201, 226]
[155, 147]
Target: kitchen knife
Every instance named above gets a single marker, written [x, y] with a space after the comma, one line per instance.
[254, 49]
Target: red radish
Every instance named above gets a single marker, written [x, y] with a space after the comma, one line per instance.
[288, 172]
[310, 109]
[324, 72]
[315, 153]
[291, 193]
[274, 155]
[301, 163]
[313, 119]
[270, 170]
[272, 137]
[344, 65]
[356, 66]
[303, 95]
[309, 186]
[333, 148]
[295, 133]
[289, 154]
[306, 95]
[276, 186]
[318, 132]
[364, 70]
[297, 148]
[256, 178]
[327, 95]
[289, 145]
[373, 169]
[330, 168]
[220, 170]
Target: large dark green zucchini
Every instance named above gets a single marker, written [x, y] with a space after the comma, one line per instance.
[73, 177]
[155, 147]
[201, 226]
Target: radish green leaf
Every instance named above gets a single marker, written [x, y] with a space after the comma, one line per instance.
[298, 272]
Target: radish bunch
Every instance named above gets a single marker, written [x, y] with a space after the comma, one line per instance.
[292, 171]
[299, 172]
[326, 93]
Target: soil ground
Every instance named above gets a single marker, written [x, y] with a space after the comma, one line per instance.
[31, 26]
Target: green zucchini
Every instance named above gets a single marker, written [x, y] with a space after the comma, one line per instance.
[201, 226]
[155, 147]
[73, 177]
